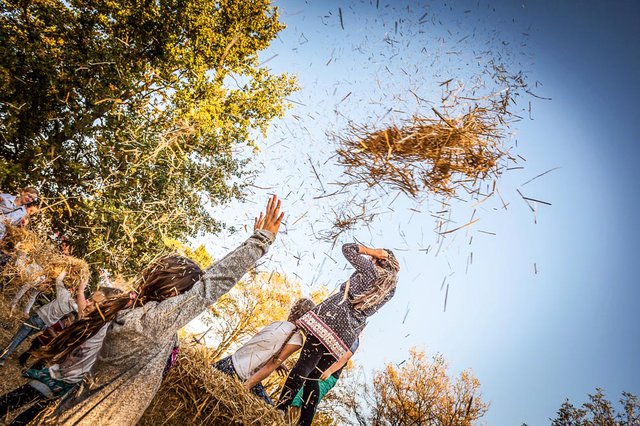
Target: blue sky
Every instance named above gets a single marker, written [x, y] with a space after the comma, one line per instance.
[532, 339]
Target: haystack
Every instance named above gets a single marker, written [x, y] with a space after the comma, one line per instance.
[438, 155]
[194, 393]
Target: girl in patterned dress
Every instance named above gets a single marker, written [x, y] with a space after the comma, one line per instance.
[334, 325]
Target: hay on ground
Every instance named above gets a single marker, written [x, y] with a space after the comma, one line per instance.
[194, 393]
[438, 155]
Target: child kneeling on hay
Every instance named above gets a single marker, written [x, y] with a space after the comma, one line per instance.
[173, 291]
[34, 275]
[266, 351]
[52, 382]
[48, 314]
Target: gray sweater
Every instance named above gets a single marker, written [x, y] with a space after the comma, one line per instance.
[129, 368]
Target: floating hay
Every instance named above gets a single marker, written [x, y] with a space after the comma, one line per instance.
[19, 237]
[438, 155]
[77, 270]
[345, 222]
[194, 393]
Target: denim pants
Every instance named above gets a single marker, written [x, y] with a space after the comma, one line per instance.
[31, 326]
[226, 366]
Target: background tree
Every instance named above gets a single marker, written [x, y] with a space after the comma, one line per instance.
[417, 392]
[599, 411]
[127, 114]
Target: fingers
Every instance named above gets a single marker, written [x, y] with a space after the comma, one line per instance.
[274, 209]
[270, 204]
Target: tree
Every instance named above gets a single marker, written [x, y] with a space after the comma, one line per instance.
[417, 392]
[127, 114]
[599, 411]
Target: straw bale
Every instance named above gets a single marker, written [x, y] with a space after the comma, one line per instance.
[195, 393]
[440, 155]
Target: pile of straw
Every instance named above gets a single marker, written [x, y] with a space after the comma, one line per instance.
[194, 393]
[439, 155]
[27, 247]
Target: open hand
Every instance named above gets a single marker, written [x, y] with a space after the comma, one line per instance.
[272, 217]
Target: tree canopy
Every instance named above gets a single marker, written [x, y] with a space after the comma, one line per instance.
[598, 410]
[127, 114]
[417, 391]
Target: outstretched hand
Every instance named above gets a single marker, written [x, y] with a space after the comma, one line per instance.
[271, 219]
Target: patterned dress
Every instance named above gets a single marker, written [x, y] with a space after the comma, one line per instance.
[336, 322]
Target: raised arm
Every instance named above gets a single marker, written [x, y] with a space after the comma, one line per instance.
[81, 300]
[168, 316]
[271, 365]
[360, 257]
[60, 283]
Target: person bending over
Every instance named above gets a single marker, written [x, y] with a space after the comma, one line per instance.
[266, 351]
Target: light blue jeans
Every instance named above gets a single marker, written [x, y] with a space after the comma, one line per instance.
[31, 326]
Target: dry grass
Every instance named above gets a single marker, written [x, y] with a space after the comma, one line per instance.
[39, 250]
[439, 155]
[194, 393]
[10, 372]
[77, 270]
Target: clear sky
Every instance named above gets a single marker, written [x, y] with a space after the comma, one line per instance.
[533, 339]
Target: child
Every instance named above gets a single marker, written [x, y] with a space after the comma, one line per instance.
[173, 291]
[34, 277]
[16, 210]
[266, 351]
[335, 324]
[98, 296]
[56, 380]
[48, 314]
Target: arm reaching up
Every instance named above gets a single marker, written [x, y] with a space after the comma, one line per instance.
[170, 315]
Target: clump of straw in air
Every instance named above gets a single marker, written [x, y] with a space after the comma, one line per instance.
[77, 270]
[438, 155]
